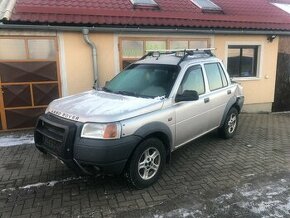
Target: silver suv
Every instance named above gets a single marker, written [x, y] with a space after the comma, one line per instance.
[131, 126]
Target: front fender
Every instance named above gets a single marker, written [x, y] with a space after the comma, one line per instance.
[153, 128]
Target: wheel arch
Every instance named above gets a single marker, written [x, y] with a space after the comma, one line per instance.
[157, 130]
[233, 102]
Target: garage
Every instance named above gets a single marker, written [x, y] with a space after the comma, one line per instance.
[29, 79]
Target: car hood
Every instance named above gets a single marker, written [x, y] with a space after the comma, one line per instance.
[99, 106]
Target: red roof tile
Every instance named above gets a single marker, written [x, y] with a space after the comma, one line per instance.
[244, 14]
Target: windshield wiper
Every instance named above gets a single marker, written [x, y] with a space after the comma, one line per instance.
[106, 89]
[126, 93]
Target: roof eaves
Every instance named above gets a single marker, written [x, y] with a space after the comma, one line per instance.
[235, 31]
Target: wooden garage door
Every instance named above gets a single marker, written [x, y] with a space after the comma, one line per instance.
[29, 80]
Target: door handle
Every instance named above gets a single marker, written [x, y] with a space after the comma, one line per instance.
[206, 100]
[229, 92]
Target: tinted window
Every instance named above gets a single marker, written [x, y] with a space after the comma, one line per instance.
[214, 76]
[193, 80]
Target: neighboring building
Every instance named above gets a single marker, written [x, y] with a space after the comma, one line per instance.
[43, 54]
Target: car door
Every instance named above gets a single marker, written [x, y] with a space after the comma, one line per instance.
[191, 116]
[220, 93]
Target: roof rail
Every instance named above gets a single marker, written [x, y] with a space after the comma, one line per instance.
[165, 51]
[185, 53]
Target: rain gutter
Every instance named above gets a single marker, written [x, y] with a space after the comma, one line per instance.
[121, 29]
[94, 56]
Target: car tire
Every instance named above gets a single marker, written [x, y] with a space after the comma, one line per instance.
[146, 164]
[230, 125]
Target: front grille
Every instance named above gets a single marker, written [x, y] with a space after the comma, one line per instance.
[54, 129]
[55, 135]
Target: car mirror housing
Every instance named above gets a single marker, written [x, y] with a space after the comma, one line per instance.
[187, 95]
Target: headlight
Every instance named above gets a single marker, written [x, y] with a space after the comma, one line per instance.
[101, 131]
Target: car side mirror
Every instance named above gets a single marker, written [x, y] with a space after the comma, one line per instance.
[187, 95]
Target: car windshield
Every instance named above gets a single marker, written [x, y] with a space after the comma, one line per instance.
[144, 80]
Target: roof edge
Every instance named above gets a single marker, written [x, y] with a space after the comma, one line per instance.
[120, 29]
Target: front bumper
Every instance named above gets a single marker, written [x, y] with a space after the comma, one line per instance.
[61, 138]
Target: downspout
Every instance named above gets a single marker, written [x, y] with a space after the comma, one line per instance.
[6, 8]
[94, 56]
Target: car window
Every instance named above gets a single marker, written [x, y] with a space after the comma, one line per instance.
[144, 80]
[222, 72]
[193, 80]
[216, 77]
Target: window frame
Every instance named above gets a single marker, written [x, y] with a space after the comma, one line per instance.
[203, 76]
[259, 59]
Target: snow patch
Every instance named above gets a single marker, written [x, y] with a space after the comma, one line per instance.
[250, 193]
[249, 175]
[266, 200]
[40, 184]
[160, 97]
[224, 197]
[14, 139]
[182, 212]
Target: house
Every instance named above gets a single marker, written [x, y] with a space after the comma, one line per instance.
[53, 48]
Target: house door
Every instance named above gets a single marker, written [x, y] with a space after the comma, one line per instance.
[29, 80]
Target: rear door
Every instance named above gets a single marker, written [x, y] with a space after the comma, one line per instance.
[220, 93]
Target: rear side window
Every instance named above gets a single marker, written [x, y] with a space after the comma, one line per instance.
[216, 76]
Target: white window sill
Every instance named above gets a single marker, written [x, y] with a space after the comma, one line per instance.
[236, 79]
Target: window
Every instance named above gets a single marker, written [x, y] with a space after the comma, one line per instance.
[155, 45]
[27, 49]
[283, 6]
[178, 44]
[12, 49]
[131, 49]
[144, 3]
[41, 48]
[207, 5]
[193, 80]
[215, 75]
[242, 61]
[198, 44]
[144, 80]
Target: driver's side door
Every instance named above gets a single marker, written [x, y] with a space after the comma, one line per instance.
[191, 116]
